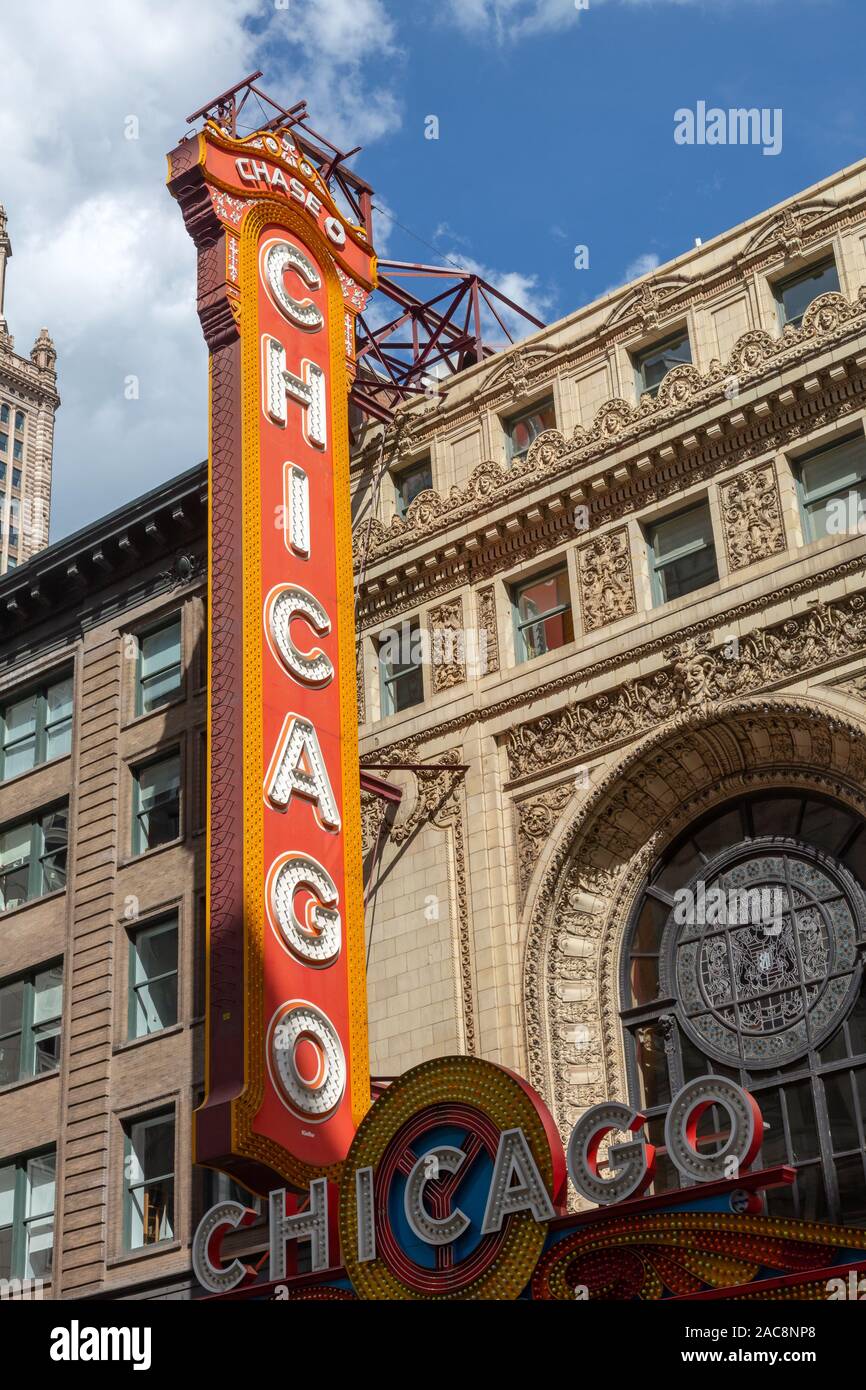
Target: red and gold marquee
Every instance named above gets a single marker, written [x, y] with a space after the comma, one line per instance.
[282, 276]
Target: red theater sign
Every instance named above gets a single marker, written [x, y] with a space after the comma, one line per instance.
[281, 277]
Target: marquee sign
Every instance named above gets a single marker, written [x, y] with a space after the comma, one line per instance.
[281, 278]
[455, 1189]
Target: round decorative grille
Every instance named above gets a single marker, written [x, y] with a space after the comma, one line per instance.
[761, 951]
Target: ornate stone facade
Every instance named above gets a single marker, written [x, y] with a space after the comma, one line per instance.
[584, 763]
[752, 517]
[447, 645]
[606, 585]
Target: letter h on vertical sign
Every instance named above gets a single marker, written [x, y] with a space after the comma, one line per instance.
[281, 277]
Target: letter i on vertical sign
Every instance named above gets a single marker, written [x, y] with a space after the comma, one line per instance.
[287, 1064]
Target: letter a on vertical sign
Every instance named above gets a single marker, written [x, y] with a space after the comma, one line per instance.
[281, 278]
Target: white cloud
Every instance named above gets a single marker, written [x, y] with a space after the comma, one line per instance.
[641, 265]
[508, 20]
[100, 252]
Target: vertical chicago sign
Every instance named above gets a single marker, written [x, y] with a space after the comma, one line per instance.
[281, 277]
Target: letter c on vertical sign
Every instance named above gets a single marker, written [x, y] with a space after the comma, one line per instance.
[277, 257]
[284, 604]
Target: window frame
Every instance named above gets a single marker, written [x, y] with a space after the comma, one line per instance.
[141, 1122]
[650, 526]
[37, 855]
[389, 678]
[806, 500]
[140, 638]
[640, 356]
[20, 1220]
[510, 421]
[797, 277]
[139, 847]
[399, 477]
[43, 725]
[154, 926]
[29, 1027]
[516, 586]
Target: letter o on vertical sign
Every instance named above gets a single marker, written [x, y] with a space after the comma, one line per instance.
[681, 1128]
[315, 939]
[633, 1164]
[306, 1060]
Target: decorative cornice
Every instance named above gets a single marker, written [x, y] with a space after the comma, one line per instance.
[72, 574]
[779, 236]
[756, 358]
[695, 675]
[806, 406]
[725, 620]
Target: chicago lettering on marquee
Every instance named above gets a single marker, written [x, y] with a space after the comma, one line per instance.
[281, 278]
[455, 1184]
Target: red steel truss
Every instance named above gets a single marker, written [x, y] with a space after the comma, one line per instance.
[432, 336]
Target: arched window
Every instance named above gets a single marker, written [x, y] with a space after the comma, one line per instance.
[743, 959]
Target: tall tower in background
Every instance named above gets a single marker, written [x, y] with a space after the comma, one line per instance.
[28, 402]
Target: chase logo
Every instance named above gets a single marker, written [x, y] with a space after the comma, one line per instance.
[77, 1343]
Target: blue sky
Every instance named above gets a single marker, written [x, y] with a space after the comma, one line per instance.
[555, 129]
[565, 136]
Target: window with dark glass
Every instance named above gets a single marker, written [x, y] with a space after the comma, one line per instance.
[19, 420]
[769, 992]
[409, 482]
[4, 442]
[17, 451]
[30, 1012]
[27, 1216]
[156, 803]
[36, 728]
[401, 678]
[542, 614]
[682, 554]
[4, 414]
[652, 364]
[33, 858]
[795, 293]
[153, 977]
[832, 485]
[160, 666]
[16, 477]
[149, 1186]
[521, 431]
